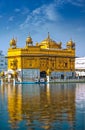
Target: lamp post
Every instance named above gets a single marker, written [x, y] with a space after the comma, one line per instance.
[22, 68]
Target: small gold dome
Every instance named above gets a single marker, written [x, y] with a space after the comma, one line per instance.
[29, 40]
[70, 44]
[13, 42]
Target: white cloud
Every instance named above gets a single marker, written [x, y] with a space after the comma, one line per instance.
[22, 11]
[51, 13]
[17, 10]
[73, 2]
[25, 11]
[60, 2]
[41, 15]
[47, 11]
[80, 29]
[11, 18]
[7, 28]
[1, 16]
[77, 2]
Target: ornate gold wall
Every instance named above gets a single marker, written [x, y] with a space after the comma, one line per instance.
[47, 56]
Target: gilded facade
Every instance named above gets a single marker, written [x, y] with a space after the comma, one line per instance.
[47, 56]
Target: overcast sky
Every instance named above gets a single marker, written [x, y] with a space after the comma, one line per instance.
[63, 19]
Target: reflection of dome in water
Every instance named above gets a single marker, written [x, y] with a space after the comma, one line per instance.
[2, 73]
[13, 42]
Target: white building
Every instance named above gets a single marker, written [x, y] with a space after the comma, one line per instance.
[3, 62]
[80, 66]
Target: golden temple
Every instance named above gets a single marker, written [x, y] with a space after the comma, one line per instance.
[43, 58]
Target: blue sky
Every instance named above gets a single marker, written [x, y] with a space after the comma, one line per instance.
[63, 19]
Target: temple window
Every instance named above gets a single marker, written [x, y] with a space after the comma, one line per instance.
[65, 64]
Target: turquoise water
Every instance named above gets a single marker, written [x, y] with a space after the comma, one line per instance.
[42, 107]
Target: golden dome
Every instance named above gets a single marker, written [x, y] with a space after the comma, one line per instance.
[29, 40]
[49, 43]
[13, 42]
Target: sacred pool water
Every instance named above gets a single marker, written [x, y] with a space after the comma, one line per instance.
[42, 107]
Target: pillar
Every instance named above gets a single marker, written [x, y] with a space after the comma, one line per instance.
[48, 78]
[13, 81]
[48, 75]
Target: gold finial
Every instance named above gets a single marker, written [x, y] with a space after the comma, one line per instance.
[48, 35]
[29, 34]
[16, 39]
[71, 39]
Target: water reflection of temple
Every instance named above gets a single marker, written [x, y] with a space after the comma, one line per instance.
[41, 106]
[58, 105]
[14, 104]
[22, 101]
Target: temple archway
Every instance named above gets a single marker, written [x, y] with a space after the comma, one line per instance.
[43, 74]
